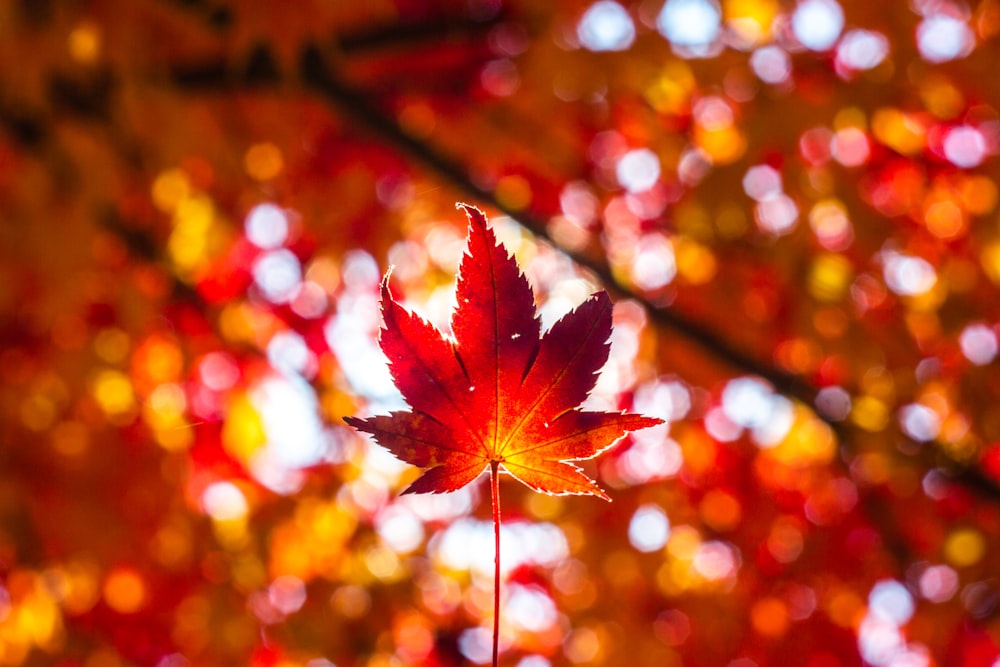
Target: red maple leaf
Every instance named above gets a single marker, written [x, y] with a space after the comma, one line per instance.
[500, 393]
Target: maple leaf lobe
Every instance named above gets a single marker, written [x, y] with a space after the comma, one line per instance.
[501, 391]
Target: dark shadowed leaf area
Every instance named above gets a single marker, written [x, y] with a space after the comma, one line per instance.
[792, 205]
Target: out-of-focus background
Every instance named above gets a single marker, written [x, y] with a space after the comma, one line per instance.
[792, 203]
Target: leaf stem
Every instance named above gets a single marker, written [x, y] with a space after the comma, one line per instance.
[495, 493]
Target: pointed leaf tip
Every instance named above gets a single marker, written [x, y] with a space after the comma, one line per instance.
[477, 223]
[470, 210]
[384, 285]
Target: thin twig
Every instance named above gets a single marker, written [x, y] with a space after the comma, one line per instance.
[495, 493]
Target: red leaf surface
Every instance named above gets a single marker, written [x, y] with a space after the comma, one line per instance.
[500, 391]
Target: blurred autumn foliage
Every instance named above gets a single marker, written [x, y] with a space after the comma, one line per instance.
[792, 202]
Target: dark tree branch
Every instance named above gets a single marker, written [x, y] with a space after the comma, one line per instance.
[26, 129]
[213, 15]
[414, 34]
[317, 76]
